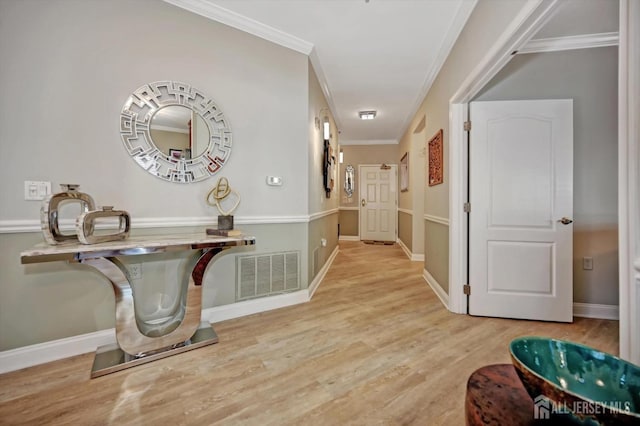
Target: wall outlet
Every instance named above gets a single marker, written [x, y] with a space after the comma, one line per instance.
[135, 271]
[587, 263]
[323, 242]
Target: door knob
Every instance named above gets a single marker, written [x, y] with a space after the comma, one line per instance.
[363, 202]
[565, 221]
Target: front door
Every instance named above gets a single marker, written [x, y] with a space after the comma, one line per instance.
[378, 202]
[521, 194]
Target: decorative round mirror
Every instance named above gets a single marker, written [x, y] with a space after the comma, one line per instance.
[175, 132]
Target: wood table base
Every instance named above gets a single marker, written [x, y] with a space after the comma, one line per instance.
[496, 396]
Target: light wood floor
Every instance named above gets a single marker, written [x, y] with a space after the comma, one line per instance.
[374, 346]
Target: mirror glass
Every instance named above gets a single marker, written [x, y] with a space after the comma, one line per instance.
[175, 132]
[179, 132]
[349, 180]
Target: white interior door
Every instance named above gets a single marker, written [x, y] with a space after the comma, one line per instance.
[521, 188]
[378, 202]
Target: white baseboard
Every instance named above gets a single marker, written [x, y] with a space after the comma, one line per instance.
[412, 256]
[28, 356]
[436, 287]
[593, 310]
[349, 238]
[253, 306]
[318, 279]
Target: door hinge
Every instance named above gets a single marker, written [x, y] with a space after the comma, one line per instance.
[466, 289]
[467, 126]
[467, 207]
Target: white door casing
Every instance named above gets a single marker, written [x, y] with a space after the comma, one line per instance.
[378, 202]
[521, 186]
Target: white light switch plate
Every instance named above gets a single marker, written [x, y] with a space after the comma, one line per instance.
[274, 181]
[36, 190]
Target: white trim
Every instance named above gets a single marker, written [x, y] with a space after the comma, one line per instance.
[406, 211]
[28, 356]
[584, 41]
[317, 68]
[349, 238]
[253, 306]
[593, 310]
[437, 219]
[412, 256]
[462, 15]
[529, 20]
[404, 248]
[354, 208]
[321, 274]
[251, 26]
[628, 175]
[369, 142]
[320, 215]
[32, 225]
[458, 218]
[436, 287]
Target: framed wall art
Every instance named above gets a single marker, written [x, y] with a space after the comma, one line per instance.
[404, 172]
[435, 159]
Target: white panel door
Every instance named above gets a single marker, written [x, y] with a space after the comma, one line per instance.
[378, 202]
[521, 188]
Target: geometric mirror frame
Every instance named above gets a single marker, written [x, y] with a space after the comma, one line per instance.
[135, 131]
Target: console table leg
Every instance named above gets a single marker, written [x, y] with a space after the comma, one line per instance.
[139, 343]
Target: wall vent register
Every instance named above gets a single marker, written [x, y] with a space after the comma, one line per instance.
[267, 274]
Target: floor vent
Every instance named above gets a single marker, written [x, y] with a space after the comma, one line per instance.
[267, 274]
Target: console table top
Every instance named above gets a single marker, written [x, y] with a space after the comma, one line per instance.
[147, 244]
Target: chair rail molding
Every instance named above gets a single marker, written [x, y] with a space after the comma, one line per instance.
[33, 225]
[437, 219]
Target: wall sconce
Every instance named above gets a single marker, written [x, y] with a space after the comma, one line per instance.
[326, 129]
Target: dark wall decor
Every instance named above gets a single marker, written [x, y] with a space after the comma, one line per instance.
[436, 166]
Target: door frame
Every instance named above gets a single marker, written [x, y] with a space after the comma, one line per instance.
[532, 17]
[360, 215]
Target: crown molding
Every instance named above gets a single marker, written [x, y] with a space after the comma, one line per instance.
[452, 33]
[240, 22]
[322, 80]
[584, 41]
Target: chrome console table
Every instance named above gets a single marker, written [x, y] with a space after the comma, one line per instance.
[139, 342]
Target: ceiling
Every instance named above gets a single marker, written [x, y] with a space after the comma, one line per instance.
[380, 55]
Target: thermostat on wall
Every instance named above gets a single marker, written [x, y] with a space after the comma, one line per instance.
[274, 180]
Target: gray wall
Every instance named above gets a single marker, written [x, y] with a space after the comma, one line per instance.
[483, 28]
[68, 67]
[326, 226]
[589, 77]
[405, 229]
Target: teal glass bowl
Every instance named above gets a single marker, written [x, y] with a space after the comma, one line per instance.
[567, 379]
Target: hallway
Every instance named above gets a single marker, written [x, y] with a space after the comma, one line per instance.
[374, 346]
